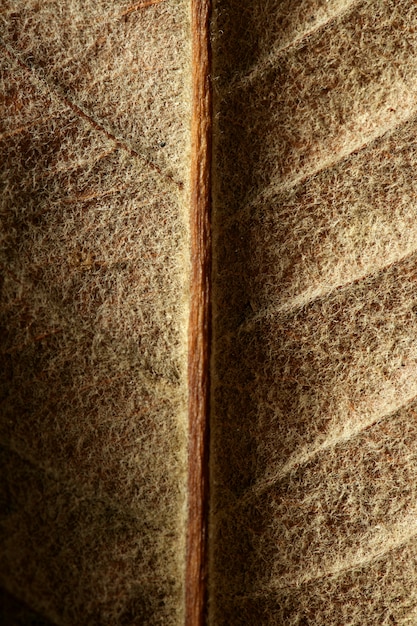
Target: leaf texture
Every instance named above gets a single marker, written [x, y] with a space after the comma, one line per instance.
[95, 110]
[313, 399]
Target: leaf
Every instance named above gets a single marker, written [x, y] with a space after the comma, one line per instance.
[95, 112]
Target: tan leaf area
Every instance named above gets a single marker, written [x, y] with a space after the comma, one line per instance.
[94, 134]
[314, 445]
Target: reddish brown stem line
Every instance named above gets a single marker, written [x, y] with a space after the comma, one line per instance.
[199, 324]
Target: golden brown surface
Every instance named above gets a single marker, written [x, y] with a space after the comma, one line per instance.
[95, 145]
[313, 444]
